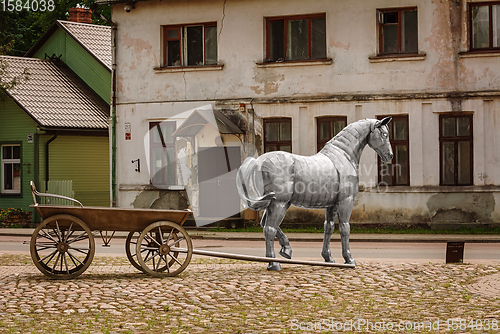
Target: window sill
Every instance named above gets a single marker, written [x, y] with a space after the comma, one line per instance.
[188, 68]
[296, 63]
[479, 54]
[397, 57]
[11, 194]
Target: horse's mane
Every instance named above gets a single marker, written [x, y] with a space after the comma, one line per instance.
[355, 131]
[352, 138]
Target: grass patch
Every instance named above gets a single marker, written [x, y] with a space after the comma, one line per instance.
[372, 230]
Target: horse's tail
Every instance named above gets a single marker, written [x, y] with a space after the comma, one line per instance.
[248, 181]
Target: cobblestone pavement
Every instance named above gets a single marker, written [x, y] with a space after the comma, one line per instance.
[225, 296]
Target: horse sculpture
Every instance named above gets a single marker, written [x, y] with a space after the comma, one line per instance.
[328, 179]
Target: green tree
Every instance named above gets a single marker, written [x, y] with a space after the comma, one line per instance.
[8, 81]
[21, 29]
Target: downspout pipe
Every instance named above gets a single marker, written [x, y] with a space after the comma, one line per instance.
[113, 106]
[47, 158]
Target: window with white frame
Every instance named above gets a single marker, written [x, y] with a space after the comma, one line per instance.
[162, 153]
[11, 168]
[190, 45]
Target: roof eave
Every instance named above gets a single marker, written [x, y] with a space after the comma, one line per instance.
[83, 46]
[38, 44]
[21, 106]
[42, 40]
[73, 129]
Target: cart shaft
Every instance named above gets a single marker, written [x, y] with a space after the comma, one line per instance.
[264, 259]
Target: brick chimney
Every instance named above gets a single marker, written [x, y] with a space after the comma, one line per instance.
[81, 15]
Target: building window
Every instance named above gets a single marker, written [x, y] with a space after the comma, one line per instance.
[455, 141]
[11, 169]
[190, 45]
[398, 30]
[484, 25]
[162, 153]
[396, 172]
[278, 134]
[296, 38]
[329, 127]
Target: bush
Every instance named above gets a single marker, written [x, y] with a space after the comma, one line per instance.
[15, 217]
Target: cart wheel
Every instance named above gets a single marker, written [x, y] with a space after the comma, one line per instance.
[164, 249]
[62, 247]
[130, 249]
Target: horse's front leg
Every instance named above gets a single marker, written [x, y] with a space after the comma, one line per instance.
[344, 212]
[330, 214]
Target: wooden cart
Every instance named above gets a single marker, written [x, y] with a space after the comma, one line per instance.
[63, 246]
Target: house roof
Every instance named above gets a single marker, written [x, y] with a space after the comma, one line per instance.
[54, 96]
[199, 118]
[96, 39]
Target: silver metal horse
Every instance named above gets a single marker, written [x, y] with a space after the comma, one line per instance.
[328, 179]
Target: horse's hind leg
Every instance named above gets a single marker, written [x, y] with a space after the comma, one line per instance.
[286, 250]
[344, 211]
[271, 221]
[330, 214]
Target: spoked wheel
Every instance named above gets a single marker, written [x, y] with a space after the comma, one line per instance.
[164, 249]
[62, 247]
[131, 248]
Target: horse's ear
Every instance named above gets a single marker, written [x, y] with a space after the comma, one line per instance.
[382, 122]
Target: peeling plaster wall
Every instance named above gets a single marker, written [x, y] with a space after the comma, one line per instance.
[421, 203]
[447, 79]
[352, 37]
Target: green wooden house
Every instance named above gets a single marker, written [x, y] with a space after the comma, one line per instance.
[54, 126]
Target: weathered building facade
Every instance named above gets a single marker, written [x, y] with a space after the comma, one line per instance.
[290, 76]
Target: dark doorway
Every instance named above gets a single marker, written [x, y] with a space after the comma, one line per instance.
[217, 167]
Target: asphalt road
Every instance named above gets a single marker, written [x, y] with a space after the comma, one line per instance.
[380, 252]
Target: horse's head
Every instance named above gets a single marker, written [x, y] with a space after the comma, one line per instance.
[379, 139]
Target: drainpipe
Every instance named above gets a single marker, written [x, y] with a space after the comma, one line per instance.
[113, 105]
[113, 119]
[47, 158]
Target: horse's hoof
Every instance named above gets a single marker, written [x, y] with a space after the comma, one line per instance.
[286, 252]
[328, 257]
[330, 260]
[274, 266]
[351, 261]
